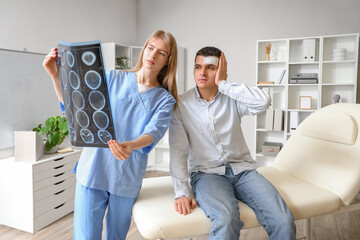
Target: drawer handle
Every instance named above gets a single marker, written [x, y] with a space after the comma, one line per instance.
[58, 159]
[59, 182]
[58, 175]
[59, 206]
[59, 166]
[59, 192]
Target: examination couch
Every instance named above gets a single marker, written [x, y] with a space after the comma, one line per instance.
[317, 172]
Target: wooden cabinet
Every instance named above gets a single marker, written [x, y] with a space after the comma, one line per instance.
[336, 76]
[35, 194]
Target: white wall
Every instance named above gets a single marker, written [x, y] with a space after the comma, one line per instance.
[38, 25]
[232, 25]
[235, 25]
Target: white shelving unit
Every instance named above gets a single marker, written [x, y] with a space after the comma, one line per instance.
[159, 156]
[334, 77]
[112, 51]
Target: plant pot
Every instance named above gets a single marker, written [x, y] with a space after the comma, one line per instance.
[51, 151]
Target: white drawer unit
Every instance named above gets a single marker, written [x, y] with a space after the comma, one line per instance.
[35, 194]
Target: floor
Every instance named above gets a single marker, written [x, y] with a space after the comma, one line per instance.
[338, 226]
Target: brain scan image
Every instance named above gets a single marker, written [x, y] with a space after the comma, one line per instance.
[62, 57]
[104, 136]
[82, 118]
[92, 80]
[88, 58]
[101, 120]
[64, 77]
[66, 97]
[78, 99]
[84, 89]
[70, 59]
[97, 100]
[69, 117]
[72, 134]
[86, 135]
[74, 80]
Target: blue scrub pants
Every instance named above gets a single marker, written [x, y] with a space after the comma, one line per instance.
[90, 207]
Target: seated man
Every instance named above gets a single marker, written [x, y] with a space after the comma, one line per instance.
[207, 144]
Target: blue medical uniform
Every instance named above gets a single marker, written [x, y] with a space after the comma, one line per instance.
[100, 176]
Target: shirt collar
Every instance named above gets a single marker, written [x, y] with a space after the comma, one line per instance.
[197, 95]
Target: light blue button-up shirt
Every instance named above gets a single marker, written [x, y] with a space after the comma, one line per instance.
[134, 114]
[205, 136]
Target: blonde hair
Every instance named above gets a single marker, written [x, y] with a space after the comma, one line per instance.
[167, 75]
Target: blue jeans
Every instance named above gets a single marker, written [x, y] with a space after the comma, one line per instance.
[89, 211]
[218, 195]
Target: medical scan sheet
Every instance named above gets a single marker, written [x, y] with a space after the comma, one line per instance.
[84, 89]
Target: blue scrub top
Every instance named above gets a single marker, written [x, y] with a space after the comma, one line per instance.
[134, 114]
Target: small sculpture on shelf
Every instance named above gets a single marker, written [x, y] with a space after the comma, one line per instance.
[267, 52]
[337, 98]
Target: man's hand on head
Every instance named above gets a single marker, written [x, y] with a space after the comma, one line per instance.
[221, 73]
[183, 205]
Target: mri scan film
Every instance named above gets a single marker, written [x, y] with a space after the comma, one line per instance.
[84, 90]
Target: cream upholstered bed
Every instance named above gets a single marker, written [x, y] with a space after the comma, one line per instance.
[317, 172]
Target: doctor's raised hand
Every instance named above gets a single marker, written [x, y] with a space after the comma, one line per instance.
[50, 66]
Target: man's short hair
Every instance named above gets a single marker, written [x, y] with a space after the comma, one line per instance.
[208, 51]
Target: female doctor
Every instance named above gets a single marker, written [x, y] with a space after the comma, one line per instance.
[142, 101]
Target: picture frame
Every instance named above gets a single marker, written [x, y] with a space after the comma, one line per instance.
[305, 103]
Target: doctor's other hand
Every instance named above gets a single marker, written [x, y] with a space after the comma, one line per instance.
[183, 205]
[49, 63]
[121, 151]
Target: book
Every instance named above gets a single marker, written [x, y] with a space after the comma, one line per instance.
[278, 120]
[265, 82]
[281, 76]
[269, 119]
[84, 88]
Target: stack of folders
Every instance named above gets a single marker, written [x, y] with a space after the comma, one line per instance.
[274, 120]
[304, 78]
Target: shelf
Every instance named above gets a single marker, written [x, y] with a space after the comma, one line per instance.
[299, 63]
[343, 61]
[299, 110]
[338, 84]
[259, 154]
[270, 85]
[350, 42]
[277, 54]
[334, 78]
[302, 84]
[269, 62]
[265, 130]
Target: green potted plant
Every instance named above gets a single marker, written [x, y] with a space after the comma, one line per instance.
[123, 62]
[54, 131]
